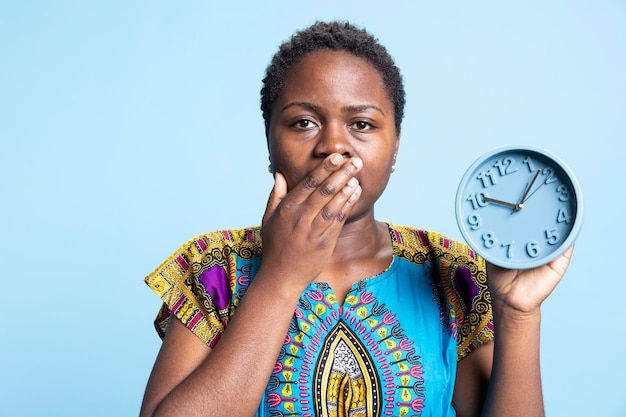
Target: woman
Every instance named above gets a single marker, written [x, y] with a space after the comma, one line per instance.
[335, 313]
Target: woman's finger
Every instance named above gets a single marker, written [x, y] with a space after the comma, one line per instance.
[279, 191]
[322, 183]
[335, 212]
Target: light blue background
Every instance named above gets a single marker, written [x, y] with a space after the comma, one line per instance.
[128, 127]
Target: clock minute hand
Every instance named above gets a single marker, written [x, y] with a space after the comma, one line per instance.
[536, 189]
[527, 190]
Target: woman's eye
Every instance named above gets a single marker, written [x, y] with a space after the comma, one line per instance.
[362, 125]
[304, 124]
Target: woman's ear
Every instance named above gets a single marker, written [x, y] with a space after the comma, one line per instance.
[397, 143]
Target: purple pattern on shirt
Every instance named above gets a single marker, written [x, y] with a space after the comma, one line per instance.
[465, 286]
[216, 283]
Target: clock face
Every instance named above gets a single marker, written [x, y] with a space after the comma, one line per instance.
[519, 207]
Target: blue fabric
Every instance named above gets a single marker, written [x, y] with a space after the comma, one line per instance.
[384, 352]
[391, 349]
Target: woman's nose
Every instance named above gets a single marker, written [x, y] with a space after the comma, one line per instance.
[334, 138]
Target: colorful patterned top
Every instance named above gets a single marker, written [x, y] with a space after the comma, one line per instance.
[390, 350]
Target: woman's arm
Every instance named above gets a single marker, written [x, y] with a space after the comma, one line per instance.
[472, 381]
[515, 387]
[192, 380]
[509, 366]
[180, 354]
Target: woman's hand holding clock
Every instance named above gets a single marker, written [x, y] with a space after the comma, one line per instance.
[523, 290]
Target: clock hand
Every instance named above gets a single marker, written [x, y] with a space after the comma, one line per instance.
[530, 185]
[502, 203]
[520, 205]
[537, 189]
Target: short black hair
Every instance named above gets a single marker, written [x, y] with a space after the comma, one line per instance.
[337, 36]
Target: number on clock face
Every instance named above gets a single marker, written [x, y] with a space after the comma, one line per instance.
[474, 221]
[505, 166]
[552, 236]
[477, 200]
[532, 248]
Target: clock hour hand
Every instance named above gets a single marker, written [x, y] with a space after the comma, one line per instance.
[502, 203]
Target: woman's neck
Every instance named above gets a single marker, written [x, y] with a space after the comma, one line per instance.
[363, 250]
[362, 238]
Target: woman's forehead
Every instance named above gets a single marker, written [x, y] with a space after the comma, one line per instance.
[329, 73]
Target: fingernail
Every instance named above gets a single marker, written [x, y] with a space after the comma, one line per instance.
[352, 182]
[357, 162]
[335, 159]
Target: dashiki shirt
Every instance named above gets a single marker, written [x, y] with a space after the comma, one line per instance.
[391, 349]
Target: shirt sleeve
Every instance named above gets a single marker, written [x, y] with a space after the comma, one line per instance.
[464, 283]
[195, 286]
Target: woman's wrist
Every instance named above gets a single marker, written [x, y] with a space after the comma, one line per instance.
[506, 315]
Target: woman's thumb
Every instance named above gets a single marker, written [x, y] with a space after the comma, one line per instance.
[276, 196]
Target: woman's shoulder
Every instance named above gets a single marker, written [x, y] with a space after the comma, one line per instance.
[209, 248]
[248, 236]
[434, 245]
[224, 239]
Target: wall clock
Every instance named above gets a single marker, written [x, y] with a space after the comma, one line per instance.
[519, 207]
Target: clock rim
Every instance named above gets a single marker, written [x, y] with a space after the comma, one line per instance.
[562, 247]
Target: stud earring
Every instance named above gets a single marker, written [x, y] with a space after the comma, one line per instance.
[270, 169]
[393, 166]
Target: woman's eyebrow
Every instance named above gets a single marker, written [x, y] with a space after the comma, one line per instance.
[303, 104]
[362, 107]
[354, 108]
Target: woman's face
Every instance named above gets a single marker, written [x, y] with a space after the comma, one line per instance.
[334, 102]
